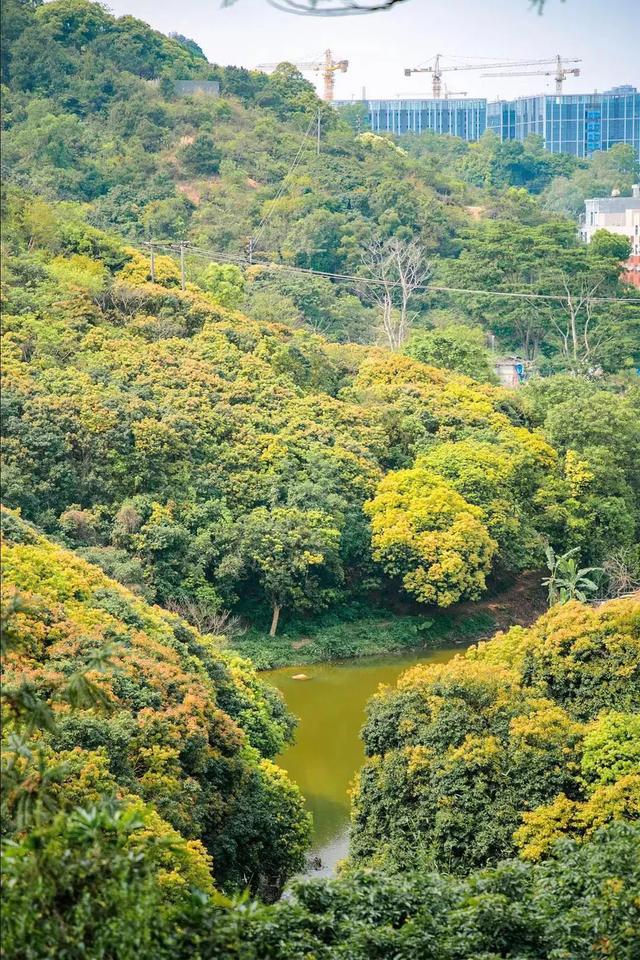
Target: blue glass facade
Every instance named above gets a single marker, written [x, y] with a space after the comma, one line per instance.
[460, 118]
[570, 123]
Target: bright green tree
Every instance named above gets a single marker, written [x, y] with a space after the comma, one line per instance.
[293, 554]
[225, 283]
[612, 246]
[454, 347]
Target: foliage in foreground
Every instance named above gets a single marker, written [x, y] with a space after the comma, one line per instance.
[138, 786]
[185, 737]
[582, 902]
[529, 737]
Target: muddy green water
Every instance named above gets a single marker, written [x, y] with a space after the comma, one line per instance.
[328, 750]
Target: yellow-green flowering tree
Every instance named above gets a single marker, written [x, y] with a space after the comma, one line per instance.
[185, 733]
[507, 748]
[430, 537]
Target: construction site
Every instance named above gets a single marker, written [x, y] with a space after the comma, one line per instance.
[575, 123]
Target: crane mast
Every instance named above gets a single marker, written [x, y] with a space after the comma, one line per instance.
[329, 70]
[327, 67]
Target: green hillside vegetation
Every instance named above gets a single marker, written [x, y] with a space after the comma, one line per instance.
[581, 902]
[215, 462]
[182, 734]
[525, 739]
[278, 454]
[90, 115]
[527, 744]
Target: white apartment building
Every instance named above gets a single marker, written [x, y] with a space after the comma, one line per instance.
[615, 214]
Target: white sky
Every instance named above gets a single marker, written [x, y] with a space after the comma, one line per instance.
[604, 33]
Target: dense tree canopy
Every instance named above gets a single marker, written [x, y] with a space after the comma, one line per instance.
[189, 730]
[454, 347]
[460, 755]
[523, 740]
[174, 443]
[430, 536]
[222, 434]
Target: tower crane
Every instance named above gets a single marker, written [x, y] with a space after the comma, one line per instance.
[436, 69]
[328, 67]
[560, 73]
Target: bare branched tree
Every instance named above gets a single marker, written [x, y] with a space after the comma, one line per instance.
[581, 336]
[123, 299]
[205, 617]
[394, 269]
[621, 573]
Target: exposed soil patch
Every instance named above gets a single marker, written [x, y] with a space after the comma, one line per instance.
[190, 191]
[517, 605]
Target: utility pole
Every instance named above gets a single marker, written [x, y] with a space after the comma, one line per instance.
[318, 137]
[250, 246]
[152, 253]
[183, 276]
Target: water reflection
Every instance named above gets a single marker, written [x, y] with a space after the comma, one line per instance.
[328, 751]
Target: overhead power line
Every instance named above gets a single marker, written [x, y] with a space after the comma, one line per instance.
[219, 255]
[291, 169]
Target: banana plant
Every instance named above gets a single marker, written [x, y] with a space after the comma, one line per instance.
[567, 580]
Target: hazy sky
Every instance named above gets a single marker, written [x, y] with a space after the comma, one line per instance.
[604, 33]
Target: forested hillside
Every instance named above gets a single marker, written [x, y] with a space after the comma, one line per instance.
[91, 115]
[299, 422]
[207, 459]
[530, 742]
[136, 706]
[530, 737]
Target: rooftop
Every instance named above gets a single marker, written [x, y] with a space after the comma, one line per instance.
[620, 91]
[615, 204]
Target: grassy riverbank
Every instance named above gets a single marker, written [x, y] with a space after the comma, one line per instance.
[362, 630]
[350, 633]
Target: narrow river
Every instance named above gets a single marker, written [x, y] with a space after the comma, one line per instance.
[328, 751]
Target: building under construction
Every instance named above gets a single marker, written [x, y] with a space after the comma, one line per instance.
[568, 123]
[460, 118]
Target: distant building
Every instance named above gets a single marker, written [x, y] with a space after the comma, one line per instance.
[619, 215]
[571, 123]
[190, 88]
[568, 123]
[459, 118]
